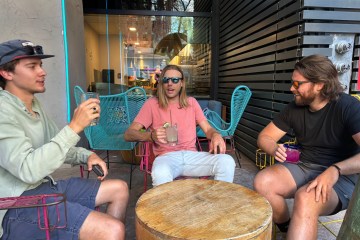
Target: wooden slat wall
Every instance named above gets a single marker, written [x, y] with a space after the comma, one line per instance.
[355, 67]
[202, 6]
[259, 43]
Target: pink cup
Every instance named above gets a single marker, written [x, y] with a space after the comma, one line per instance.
[293, 153]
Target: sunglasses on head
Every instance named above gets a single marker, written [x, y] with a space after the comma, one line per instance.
[173, 79]
[28, 50]
[34, 50]
[297, 84]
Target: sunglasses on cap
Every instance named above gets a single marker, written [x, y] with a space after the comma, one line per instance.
[297, 84]
[173, 79]
[26, 50]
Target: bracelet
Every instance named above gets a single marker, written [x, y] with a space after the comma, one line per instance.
[152, 136]
[337, 167]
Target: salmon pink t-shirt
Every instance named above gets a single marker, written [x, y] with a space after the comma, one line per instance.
[153, 117]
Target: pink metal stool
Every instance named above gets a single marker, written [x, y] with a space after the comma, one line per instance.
[41, 202]
[147, 158]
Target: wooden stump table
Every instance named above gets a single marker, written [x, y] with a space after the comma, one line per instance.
[202, 209]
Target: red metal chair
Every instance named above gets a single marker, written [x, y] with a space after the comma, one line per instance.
[147, 158]
[41, 202]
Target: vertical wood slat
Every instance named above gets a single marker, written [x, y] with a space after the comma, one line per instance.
[259, 43]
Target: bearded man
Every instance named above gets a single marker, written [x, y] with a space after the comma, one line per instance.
[326, 124]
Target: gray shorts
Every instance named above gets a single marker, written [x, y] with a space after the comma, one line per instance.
[303, 173]
[80, 201]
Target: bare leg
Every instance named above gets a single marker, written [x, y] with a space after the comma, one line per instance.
[116, 194]
[101, 226]
[306, 212]
[110, 225]
[276, 184]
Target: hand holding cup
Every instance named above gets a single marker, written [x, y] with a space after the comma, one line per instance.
[95, 110]
[293, 153]
[172, 135]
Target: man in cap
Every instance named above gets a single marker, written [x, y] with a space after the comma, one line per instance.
[32, 147]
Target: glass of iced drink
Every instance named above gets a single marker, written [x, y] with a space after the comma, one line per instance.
[172, 135]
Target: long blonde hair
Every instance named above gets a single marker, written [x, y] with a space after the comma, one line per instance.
[163, 100]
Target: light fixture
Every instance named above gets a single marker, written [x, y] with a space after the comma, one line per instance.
[133, 29]
[136, 43]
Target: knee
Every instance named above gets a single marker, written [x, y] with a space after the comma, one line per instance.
[102, 226]
[226, 163]
[303, 199]
[161, 174]
[262, 181]
[305, 205]
[116, 230]
[121, 188]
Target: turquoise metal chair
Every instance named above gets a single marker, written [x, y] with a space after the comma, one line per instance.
[118, 111]
[207, 105]
[239, 100]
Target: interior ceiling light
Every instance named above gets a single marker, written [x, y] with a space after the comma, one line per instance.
[137, 43]
[133, 29]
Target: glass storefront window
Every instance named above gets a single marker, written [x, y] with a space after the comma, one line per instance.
[127, 50]
[154, 5]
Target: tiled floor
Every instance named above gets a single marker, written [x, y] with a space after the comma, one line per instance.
[328, 227]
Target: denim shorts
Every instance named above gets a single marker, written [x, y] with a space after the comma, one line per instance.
[80, 201]
[303, 173]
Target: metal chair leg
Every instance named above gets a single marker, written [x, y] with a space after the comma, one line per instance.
[131, 166]
[232, 143]
[108, 159]
[41, 202]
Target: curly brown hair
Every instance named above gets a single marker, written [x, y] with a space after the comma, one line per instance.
[9, 67]
[320, 69]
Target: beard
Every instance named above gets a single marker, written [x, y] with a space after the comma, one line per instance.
[304, 100]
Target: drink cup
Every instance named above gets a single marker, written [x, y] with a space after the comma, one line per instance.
[86, 96]
[293, 153]
[172, 135]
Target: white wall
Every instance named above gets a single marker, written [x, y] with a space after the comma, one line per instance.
[91, 52]
[76, 47]
[113, 62]
[40, 21]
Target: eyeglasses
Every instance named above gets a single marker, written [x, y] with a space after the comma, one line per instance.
[297, 84]
[26, 50]
[173, 79]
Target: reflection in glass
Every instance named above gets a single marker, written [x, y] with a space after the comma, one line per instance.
[154, 5]
[119, 56]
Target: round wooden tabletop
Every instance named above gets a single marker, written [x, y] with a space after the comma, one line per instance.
[202, 209]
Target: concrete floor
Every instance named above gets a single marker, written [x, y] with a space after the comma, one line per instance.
[328, 227]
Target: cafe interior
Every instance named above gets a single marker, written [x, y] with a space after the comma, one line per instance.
[123, 51]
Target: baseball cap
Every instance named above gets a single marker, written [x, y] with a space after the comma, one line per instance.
[18, 49]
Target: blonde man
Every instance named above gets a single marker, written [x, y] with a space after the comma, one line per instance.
[172, 106]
